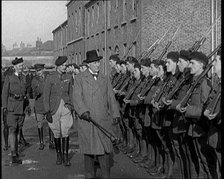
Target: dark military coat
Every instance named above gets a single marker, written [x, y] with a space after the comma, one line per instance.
[57, 87]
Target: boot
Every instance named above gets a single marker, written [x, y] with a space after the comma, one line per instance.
[51, 143]
[15, 158]
[65, 147]
[6, 136]
[58, 150]
[41, 138]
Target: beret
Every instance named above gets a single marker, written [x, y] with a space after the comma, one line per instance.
[145, 62]
[38, 66]
[185, 54]
[199, 56]
[173, 56]
[156, 62]
[118, 62]
[17, 61]
[114, 57]
[60, 60]
[137, 65]
[131, 59]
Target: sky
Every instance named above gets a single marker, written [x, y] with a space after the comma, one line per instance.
[26, 20]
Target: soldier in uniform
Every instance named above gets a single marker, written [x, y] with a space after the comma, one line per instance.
[83, 66]
[213, 114]
[112, 61]
[193, 113]
[93, 97]
[37, 85]
[57, 99]
[13, 103]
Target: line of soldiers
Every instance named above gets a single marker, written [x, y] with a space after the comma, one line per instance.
[160, 131]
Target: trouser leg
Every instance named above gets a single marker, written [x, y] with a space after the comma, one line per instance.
[65, 148]
[89, 166]
[104, 161]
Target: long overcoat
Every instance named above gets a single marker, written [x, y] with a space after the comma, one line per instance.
[97, 97]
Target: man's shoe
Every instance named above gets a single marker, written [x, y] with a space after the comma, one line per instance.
[16, 160]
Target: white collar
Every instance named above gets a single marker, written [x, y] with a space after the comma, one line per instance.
[92, 72]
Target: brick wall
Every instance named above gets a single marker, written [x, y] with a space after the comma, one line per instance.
[159, 15]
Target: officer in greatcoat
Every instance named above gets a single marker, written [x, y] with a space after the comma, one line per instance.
[93, 98]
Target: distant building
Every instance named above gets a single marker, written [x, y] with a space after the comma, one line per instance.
[60, 39]
[29, 46]
[22, 45]
[15, 46]
[38, 43]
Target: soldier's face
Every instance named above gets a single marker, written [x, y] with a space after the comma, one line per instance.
[123, 68]
[171, 65]
[196, 67]
[19, 67]
[119, 68]
[94, 66]
[217, 64]
[145, 70]
[182, 64]
[112, 63]
[153, 70]
[137, 73]
[62, 68]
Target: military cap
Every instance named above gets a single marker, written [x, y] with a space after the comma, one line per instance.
[137, 65]
[146, 62]
[60, 60]
[173, 56]
[114, 57]
[199, 56]
[131, 59]
[92, 56]
[39, 67]
[156, 62]
[185, 54]
[17, 61]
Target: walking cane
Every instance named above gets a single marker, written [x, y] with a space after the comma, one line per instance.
[113, 139]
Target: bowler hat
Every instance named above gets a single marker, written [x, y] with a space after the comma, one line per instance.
[199, 56]
[60, 60]
[17, 61]
[92, 56]
[173, 56]
[38, 67]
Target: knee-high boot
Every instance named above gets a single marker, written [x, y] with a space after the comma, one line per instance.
[65, 147]
[58, 150]
[51, 137]
[6, 136]
[41, 138]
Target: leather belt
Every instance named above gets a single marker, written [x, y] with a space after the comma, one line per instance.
[17, 96]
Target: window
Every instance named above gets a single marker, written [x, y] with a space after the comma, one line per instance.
[134, 49]
[76, 58]
[80, 58]
[116, 50]
[103, 61]
[87, 22]
[134, 8]
[124, 10]
[79, 21]
[109, 51]
[116, 5]
[109, 11]
[76, 22]
[98, 13]
[93, 17]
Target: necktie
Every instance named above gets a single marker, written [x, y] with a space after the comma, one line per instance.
[95, 76]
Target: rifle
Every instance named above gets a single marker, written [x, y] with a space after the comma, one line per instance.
[148, 87]
[130, 47]
[169, 43]
[156, 44]
[212, 105]
[184, 101]
[199, 43]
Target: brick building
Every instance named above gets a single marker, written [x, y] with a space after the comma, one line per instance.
[60, 39]
[104, 25]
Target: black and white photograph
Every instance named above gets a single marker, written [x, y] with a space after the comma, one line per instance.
[111, 89]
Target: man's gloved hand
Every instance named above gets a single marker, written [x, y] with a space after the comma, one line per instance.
[116, 120]
[69, 106]
[4, 116]
[85, 116]
[49, 117]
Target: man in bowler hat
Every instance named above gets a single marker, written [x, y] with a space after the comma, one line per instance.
[93, 98]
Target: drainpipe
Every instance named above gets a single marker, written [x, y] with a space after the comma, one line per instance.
[105, 10]
[213, 34]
